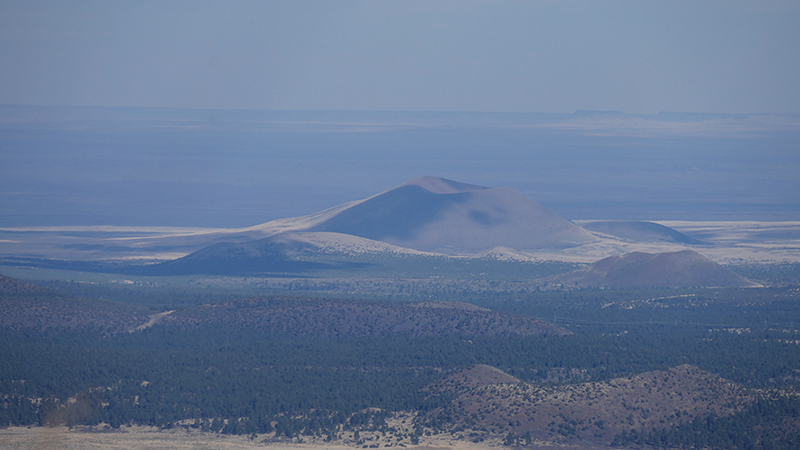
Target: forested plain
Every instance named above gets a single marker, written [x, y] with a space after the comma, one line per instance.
[242, 380]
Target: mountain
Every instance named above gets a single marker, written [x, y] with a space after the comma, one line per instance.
[640, 231]
[439, 215]
[427, 214]
[685, 268]
[434, 214]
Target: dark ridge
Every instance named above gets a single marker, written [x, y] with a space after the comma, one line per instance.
[26, 306]
[337, 318]
[597, 113]
[10, 285]
[63, 264]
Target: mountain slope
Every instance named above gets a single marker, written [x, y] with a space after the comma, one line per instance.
[594, 411]
[676, 269]
[439, 215]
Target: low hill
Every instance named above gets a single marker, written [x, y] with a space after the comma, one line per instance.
[638, 269]
[332, 318]
[274, 254]
[595, 411]
[470, 378]
[638, 231]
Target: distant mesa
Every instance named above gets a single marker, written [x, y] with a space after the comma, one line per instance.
[685, 268]
[641, 232]
[597, 113]
[444, 216]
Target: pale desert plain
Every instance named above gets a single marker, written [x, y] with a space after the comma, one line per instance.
[726, 242]
[153, 438]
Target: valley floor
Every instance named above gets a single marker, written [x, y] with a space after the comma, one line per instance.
[725, 242]
[151, 438]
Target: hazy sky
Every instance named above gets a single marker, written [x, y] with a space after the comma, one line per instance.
[541, 56]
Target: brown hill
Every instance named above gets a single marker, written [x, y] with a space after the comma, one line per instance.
[595, 411]
[329, 318]
[677, 269]
[470, 378]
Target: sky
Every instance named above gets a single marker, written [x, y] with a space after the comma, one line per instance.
[556, 56]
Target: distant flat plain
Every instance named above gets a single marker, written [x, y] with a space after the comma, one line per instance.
[726, 242]
[151, 438]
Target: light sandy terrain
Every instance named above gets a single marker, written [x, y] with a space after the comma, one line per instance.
[148, 438]
[61, 438]
[725, 242]
[154, 319]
